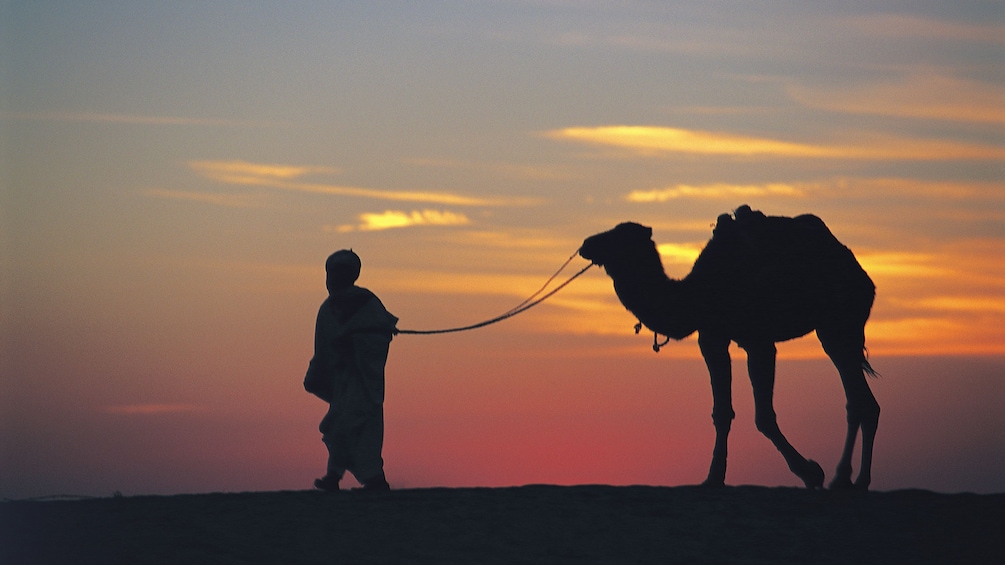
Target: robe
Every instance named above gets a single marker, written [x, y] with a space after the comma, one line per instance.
[351, 341]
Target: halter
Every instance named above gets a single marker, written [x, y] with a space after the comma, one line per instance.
[656, 338]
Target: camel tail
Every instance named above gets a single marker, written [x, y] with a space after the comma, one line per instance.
[866, 366]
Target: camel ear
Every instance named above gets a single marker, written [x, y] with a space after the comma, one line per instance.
[644, 231]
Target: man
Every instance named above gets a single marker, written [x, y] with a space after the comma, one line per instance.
[351, 341]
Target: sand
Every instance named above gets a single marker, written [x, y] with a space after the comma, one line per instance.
[531, 524]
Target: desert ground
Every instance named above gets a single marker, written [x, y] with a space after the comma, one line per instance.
[529, 524]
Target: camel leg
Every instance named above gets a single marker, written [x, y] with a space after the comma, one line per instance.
[716, 354]
[863, 413]
[761, 368]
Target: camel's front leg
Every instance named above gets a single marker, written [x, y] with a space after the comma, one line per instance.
[716, 353]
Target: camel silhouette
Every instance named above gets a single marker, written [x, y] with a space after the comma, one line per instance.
[760, 280]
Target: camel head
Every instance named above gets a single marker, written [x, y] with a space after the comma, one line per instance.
[622, 246]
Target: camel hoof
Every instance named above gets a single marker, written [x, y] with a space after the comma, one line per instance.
[812, 475]
[843, 483]
[713, 483]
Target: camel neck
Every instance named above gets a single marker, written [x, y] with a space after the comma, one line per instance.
[659, 302]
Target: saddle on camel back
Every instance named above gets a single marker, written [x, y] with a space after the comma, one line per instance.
[777, 266]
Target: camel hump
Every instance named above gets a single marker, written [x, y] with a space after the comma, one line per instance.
[811, 222]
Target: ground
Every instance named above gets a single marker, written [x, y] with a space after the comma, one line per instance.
[531, 524]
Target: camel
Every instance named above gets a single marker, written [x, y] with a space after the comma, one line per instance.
[760, 280]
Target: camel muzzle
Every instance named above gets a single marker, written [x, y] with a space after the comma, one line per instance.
[585, 254]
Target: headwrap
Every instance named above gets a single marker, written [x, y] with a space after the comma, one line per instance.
[343, 269]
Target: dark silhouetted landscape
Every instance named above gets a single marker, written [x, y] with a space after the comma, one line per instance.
[530, 524]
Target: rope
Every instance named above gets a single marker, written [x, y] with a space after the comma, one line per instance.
[546, 283]
[527, 304]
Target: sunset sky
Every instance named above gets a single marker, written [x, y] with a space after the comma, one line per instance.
[174, 175]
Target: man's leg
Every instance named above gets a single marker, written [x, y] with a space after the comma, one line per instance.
[368, 465]
[335, 441]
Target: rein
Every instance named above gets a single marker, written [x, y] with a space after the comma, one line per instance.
[527, 304]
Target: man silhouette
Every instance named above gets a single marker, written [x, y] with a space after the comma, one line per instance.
[351, 341]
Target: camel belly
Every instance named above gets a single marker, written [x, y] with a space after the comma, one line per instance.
[775, 318]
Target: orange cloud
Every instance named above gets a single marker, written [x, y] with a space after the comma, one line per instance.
[718, 191]
[243, 172]
[920, 188]
[842, 187]
[654, 141]
[932, 336]
[285, 177]
[682, 253]
[976, 304]
[949, 299]
[390, 219]
[924, 95]
[902, 264]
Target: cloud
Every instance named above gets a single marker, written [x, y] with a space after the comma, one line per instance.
[951, 331]
[243, 172]
[838, 187]
[902, 25]
[151, 409]
[390, 219]
[680, 253]
[511, 170]
[286, 177]
[974, 304]
[656, 141]
[902, 264]
[942, 299]
[943, 190]
[717, 191]
[722, 110]
[922, 95]
[130, 119]
[227, 200]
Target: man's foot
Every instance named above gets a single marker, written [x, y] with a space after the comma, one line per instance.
[375, 485]
[327, 484]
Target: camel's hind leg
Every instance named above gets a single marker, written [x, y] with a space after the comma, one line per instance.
[862, 408]
[761, 369]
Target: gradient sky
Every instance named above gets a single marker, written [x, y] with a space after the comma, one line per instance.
[174, 174]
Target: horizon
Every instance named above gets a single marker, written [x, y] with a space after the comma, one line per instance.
[175, 176]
